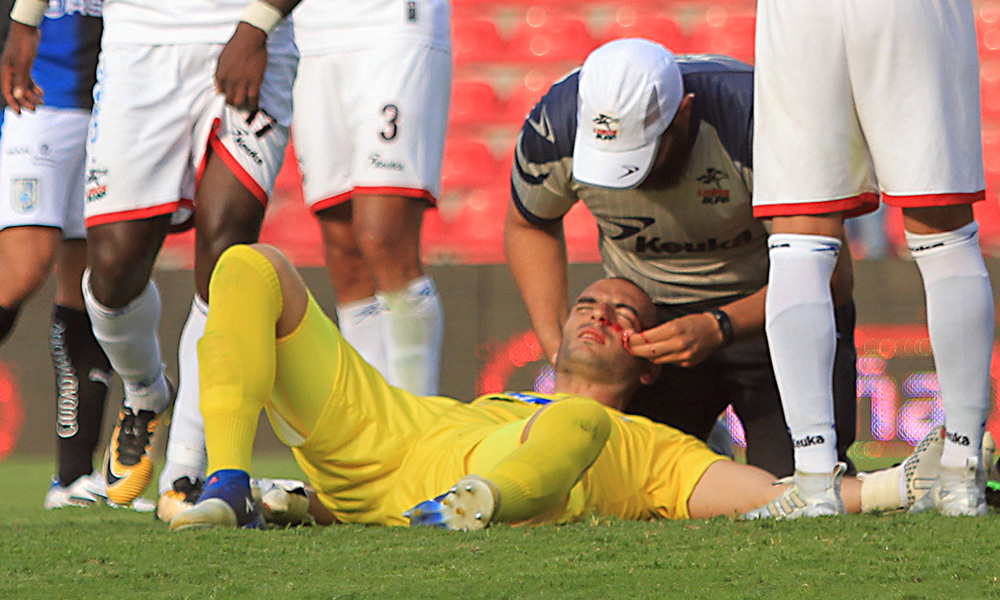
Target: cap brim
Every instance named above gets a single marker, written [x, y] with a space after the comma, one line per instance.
[619, 170]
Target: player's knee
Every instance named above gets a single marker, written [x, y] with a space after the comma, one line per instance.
[22, 278]
[381, 244]
[575, 421]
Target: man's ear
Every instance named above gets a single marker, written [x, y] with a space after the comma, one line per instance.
[685, 107]
[650, 374]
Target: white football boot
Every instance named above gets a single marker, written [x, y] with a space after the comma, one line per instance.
[282, 501]
[87, 490]
[811, 495]
[468, 506]
[961, 492]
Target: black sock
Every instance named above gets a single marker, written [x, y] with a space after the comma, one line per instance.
[7, 318]
[83, 374]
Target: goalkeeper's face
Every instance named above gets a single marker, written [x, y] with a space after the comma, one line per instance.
[593, 336]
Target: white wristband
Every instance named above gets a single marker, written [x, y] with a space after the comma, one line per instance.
[29, 12]
[260, 14]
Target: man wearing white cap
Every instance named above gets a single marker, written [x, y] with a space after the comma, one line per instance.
[658, 147]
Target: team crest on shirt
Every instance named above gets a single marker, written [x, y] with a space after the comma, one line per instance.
[606, 127]
[24, 195]
[715, 194]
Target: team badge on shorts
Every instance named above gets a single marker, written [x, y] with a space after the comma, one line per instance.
[24, 195]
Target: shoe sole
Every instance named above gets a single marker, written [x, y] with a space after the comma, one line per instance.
[212, 512]
[469, 505]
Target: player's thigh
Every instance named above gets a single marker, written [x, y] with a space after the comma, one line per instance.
[252, 146]
[809, 152]
[915, 72]
[398, 121]
[323, 142]
[324, 387]
[140, 139]
[41, 182]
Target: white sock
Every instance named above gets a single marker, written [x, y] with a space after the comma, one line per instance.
[361, 323]
[129, 338]
[960, 322]
[801, 334]
[186, 446]
[413, 333]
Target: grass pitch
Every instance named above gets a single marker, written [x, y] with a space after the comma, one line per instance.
[106, 553]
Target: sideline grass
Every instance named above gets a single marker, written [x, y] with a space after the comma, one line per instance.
[106, 553]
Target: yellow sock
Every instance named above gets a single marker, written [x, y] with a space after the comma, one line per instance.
[563, 441]
[236, 356]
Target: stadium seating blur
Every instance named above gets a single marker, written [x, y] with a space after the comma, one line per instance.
[506, 55]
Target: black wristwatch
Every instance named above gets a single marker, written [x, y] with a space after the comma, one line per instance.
[725, 325]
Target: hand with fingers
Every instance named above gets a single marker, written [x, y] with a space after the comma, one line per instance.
[685, 341]
[19, 89]
[240, 71]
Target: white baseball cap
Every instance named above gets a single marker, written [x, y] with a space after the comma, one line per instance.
[630, 90]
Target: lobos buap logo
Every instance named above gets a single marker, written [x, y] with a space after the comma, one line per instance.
[606, 127]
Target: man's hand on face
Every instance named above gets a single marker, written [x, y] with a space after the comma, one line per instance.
[19, 89]
[241, 67]
[685, 341]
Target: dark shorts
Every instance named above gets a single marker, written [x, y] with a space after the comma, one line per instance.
[691, 398]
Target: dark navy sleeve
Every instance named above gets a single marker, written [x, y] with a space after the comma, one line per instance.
[540, 179]
[723, 97]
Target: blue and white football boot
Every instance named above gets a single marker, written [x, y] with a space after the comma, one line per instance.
[468, 506]
[226, 502]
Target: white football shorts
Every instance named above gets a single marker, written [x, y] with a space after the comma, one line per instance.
[372, 121]
[854, 98]
[41, 169]
[156, 112]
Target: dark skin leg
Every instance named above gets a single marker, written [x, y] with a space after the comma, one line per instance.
[227, 214]
[349, 273]
[372, 242]
[388, 232]
[121, 257]
[72, 262]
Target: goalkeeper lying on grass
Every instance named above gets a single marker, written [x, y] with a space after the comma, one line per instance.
[376, 454]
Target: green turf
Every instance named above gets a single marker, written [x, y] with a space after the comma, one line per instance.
[107, 553]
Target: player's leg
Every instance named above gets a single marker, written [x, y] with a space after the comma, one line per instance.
[31, 215]
[237, 371]
[182, 477]
[26, 255]
[324, 146]
[133, 184]
[82, 371]
[43, 178]
[398, 137]
[524, 469]
[926, 67]
[811, 167]
[241, 154]
[388, 233]
[960, 318]
[227, 213]
[360, 315]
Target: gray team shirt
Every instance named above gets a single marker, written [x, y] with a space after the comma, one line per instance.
[694, 242]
